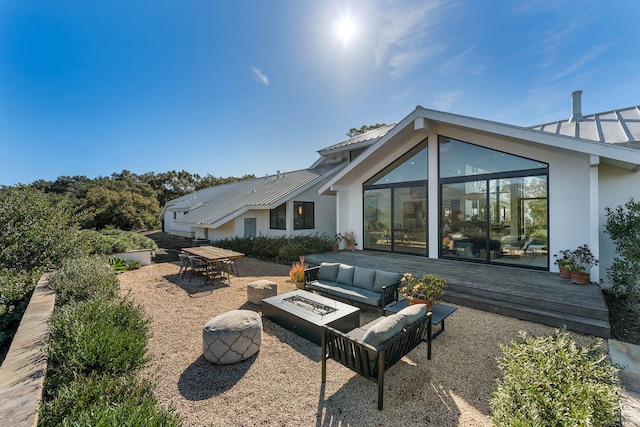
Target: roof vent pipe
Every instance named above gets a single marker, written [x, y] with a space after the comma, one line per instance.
[576, 106]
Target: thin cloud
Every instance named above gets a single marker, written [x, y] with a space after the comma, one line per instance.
[592, 54]
[459, 62]
[264, 79]
[410, 36]
[445, 101]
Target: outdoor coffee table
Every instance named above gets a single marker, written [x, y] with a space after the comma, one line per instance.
[305, 313]
[438, 314]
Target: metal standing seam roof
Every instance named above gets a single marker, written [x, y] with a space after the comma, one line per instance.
[267, 191]
[371, 137]
[620, 126]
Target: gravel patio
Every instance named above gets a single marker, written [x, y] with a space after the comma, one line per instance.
[281, 384]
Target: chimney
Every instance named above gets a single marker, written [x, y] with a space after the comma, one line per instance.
[576, 106]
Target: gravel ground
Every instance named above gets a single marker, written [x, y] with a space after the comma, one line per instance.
[281, 386]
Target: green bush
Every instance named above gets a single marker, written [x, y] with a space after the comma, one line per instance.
[239, 244]
[109, 241]
[97, 336]
[85, 402]
[119, 265]
[550, 381]
[623, 225]
[80, 279]
[16, 288]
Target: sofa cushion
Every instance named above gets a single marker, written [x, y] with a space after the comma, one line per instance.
[328, 271]
[384, 278]
[345, 275]
[412, 313]
[383, 330]
[351, 293]
[363, 277]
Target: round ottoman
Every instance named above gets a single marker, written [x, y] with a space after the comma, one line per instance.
[261, 289]
[232, 337]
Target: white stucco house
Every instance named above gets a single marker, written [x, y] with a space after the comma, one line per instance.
[448, 186]
[286, 203]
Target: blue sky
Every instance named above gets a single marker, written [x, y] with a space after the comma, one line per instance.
[230, 88]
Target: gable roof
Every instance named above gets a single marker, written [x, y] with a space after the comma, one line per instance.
[359, 141]
[422, 119]
[221, 203]
[620, 126]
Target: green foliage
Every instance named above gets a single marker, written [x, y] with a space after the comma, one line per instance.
[121, 208]
[551, 381]
[109, 241]
[35, 233]
[95, 337]
[623, 225]
[103, 400]
[363, 129]
[80, 279]
[118, 264]
[239, 244]
[15, 293]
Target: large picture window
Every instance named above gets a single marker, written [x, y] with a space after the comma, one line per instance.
[395, 205]
[278, 218]
[493, 206]
[303, 218]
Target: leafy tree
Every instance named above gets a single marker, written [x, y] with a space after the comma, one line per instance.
[623, 225]
[363, 129]
[34, 231]
[123, 209]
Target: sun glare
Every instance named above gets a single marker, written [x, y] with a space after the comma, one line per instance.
[346, 30]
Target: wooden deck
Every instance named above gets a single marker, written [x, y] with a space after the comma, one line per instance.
[536, 296]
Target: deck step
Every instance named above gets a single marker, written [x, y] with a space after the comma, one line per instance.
[558, 319]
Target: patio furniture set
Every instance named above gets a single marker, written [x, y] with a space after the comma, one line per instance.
[369, 350]
[209, 261]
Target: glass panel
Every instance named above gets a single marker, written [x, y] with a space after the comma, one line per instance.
[459, 158]
[377, 219]
[410, 220]
[410, 167]
[303, 218]
[519, 220]
[463, 224]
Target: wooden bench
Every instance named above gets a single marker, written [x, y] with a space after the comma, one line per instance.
[369, 361]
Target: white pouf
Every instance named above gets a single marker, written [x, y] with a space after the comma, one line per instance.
[261, 289]
[232, 337]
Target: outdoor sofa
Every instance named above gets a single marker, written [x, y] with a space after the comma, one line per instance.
[372, 349]
[368, 286]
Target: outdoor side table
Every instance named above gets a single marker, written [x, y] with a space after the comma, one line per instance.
[438, 314]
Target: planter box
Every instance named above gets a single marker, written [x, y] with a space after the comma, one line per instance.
[143, 256]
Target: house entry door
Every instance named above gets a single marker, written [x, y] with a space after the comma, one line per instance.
[250, 228]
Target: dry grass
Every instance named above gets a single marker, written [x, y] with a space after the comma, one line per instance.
[281, 384]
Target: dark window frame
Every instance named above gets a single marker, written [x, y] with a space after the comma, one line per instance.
[278, 217]
[303, 215]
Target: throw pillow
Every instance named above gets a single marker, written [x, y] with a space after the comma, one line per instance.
[412, 313]
[345, 275]
[363, 277]
[328, 271]
[383, 330]
[384, 278]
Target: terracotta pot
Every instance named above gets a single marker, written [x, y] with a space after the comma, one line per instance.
[427, 302]
[351, 246]
[564, 272]
[580, 278]
[299, 285]
[335, 248]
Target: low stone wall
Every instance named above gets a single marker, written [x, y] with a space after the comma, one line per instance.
[23, 371]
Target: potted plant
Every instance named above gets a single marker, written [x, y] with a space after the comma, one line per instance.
[350, 238]
[339, 238]
[296, 274]
[423, 290]
[565, 260]
[583, 261]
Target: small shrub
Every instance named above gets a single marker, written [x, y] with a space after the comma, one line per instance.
[296, 274]
[80, 279]
[95, 336]
[111, 241]
[133, 265]
[550, 381]
[87, 396]
[291, 251]
[239, 244]
[118, 264]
